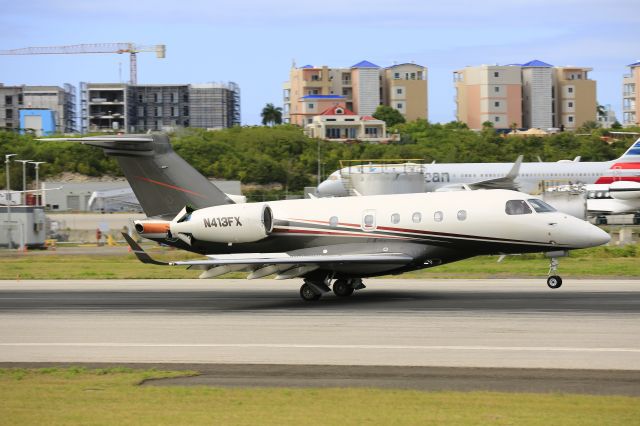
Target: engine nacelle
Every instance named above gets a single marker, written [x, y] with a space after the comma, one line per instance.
[231, 223]
[152, 228]
[624, 190]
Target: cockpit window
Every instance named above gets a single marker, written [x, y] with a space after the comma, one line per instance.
[514, 207]
[540, 206]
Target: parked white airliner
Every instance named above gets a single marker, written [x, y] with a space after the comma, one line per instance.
[525, 177]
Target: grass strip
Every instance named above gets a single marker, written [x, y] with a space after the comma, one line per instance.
[111, 396]
[596, 262]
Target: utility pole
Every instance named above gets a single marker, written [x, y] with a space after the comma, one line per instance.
[24, 180]
[38, 194]
[7, 161]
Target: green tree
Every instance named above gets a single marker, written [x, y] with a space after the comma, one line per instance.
[389, 115]
[616, 125]
[271, 115]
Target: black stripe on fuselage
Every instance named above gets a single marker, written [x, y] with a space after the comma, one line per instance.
[413, 234]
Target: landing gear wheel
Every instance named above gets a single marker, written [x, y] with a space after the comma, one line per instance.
[554, 281]
[342, 288]
[308, 294]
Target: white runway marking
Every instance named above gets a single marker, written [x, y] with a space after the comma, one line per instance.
[318, 346]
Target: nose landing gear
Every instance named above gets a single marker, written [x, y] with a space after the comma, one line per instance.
[554, 281]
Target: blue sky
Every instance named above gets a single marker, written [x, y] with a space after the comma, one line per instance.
[254, 43]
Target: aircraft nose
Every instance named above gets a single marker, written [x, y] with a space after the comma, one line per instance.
[594, 236]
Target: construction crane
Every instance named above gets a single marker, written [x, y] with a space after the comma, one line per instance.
[120, 48]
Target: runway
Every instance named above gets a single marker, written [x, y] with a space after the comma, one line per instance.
[587, 324]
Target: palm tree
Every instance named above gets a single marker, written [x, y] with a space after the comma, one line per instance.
[271, 115]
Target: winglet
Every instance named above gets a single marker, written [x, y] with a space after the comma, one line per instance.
[515, 170]
[141, 254]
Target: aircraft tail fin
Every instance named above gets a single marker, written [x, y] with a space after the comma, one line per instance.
[163, 182]
[632, 154]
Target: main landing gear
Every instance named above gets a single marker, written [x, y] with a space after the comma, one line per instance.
[554, 281]
[312, 290]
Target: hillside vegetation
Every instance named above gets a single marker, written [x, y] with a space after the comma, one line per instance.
[284, 155]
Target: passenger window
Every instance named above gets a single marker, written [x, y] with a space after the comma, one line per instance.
[462, 214]
[515, 207]
[416, 217]
[368, 220]
[437, 216]
[540, 206]
[333, 221]
[395, 218]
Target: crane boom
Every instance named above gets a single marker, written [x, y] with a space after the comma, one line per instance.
[131, 48]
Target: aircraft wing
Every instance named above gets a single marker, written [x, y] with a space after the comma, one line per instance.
[276, 259]
[505, 182]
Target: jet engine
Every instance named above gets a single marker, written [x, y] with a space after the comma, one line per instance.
[624, 190]
[152, 228]
[231, 223]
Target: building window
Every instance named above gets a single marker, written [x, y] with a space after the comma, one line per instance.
[140, 97]
[496, 89]
[9, 113]
[173, 97]
[496, 104]
[311, 106]
[399, 105]
[155, 97]
[399, 91]
[570, 119]
[570, 104]
[8, 100]
[496, 74]
[570, 89]
[339, 111]
[396, 76]
[496, 119]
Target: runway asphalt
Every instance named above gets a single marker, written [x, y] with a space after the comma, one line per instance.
[497, 324]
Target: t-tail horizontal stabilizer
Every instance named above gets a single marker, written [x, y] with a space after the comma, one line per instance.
[162, 181]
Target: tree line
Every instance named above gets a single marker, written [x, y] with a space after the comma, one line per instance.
[283, 154]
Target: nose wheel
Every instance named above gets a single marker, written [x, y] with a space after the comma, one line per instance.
[554, 281]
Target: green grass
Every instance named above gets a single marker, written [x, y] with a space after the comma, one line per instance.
[595, 262]
[111, 396]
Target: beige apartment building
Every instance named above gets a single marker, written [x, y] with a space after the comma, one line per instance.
[361, 88]
[530, 95]
[630, 86]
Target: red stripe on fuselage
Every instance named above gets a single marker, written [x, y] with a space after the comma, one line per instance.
[166, 185]
[626, 166]
[611, 179]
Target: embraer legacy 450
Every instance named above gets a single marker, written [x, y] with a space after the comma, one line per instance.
[333, 241]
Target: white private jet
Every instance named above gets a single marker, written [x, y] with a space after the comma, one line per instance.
[332, 241]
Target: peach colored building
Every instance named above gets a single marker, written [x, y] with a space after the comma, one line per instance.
[530, 95]
[361, 87]
[489, 93]
[630, 87]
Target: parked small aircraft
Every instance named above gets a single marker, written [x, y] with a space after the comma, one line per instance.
[332, 241]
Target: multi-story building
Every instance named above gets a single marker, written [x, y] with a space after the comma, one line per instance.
[361, 88]
[489, 93]
[575, 95]
[530, 95]
[139, 108]
[630, 86]
[61, 101]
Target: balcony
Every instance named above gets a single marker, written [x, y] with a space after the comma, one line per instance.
[346, 82]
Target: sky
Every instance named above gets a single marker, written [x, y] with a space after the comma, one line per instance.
[254, 43]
